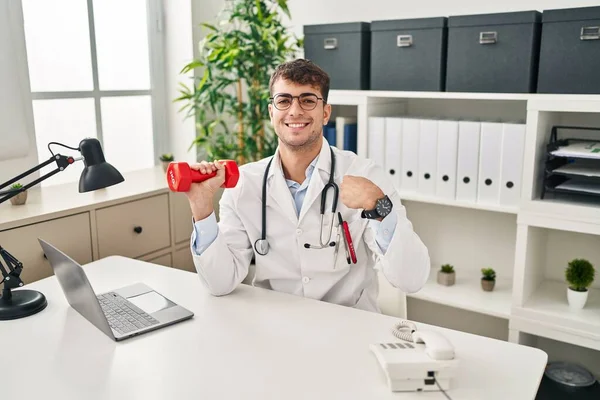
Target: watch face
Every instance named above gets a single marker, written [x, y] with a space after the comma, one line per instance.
[384, 206]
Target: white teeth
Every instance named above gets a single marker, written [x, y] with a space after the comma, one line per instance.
[296, 125]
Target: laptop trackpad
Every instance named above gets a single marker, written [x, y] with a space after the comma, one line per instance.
[151, 302]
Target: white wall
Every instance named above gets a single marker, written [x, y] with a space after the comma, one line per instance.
[179, 50]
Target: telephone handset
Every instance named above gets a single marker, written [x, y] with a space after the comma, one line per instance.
[436, 346]
[421, 360]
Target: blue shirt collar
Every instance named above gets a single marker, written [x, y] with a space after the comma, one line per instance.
[308, 173]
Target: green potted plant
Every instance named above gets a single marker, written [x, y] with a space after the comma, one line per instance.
[230, 95]
[166, 159]
[19, 199]
[446, 275]
[488, 280]
[579, 275]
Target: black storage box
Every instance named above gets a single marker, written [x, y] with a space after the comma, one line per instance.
[496, 53]
[570, 51]
[408, 54]
[342, 50]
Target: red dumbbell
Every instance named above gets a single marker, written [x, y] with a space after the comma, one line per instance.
[180, 176]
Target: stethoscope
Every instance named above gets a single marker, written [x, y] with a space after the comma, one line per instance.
[262, 245]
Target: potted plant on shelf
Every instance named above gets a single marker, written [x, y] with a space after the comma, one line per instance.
[166, 159]
[446, 275]
[19, 199]
[230, 95]
[580, 275]
[488, 281]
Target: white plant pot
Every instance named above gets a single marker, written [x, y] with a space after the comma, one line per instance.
[576, 299]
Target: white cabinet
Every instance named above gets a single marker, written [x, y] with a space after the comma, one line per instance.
[165, 259]
[70, 234]
[134, 228]
[182, 217]
[182, 259]
[140, 219]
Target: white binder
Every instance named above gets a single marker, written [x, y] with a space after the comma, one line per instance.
[393, 149]
[467, 165]
[410, 154]
[488, 185]
[427, 156]
[376, 140]
[513, 146]
[340, 123]
[447, 152]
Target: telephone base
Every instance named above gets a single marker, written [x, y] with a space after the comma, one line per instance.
[407, 367]
[418, 385]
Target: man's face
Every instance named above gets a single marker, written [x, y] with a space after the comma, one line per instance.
[298, 127]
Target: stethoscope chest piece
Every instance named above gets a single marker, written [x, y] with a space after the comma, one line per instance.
[261, 246]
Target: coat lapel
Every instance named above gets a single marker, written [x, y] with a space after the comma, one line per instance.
[279, 191]
[318, 180]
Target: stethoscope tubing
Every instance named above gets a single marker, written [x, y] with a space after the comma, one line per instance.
[261, 246]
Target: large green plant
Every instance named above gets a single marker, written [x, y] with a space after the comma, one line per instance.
[230, 95]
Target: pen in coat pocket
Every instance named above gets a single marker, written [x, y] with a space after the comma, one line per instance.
[341, 224]
[349, 241]
[337, 245]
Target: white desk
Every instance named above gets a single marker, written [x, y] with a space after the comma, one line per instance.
[251, 344]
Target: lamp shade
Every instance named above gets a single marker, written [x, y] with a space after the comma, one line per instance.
[97, 173]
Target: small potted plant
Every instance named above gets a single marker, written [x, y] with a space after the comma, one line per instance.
[446, 275]
[19, 199]
[489, 279]
[579, 275]
[166, 160]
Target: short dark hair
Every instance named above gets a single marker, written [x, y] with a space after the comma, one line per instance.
[302, 72]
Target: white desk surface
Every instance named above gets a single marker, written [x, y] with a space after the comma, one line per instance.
[251, 344]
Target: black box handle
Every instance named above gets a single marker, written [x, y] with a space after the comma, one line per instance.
[488, 37]
[404, 40]
[590, 33]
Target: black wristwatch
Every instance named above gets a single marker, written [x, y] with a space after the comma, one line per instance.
[382, 208]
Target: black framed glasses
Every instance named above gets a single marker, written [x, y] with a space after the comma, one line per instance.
[307, 101]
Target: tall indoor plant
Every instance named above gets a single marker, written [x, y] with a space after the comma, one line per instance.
[230, 94]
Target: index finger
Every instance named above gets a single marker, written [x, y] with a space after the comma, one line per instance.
[219, 164]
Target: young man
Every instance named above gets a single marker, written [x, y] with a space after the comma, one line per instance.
[299, 250]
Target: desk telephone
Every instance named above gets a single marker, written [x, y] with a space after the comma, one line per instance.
[420, 361]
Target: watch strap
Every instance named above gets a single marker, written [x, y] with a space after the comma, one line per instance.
[369, 214]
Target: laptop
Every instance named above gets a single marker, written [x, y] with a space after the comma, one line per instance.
[121, 313]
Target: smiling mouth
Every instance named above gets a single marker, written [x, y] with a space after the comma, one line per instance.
[297, 125]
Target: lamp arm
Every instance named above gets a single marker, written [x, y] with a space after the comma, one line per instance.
[12, 272]
[62, 163]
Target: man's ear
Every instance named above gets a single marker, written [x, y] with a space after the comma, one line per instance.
[326, 113]
[271, 112]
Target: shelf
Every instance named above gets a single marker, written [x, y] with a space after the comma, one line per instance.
[535, 101]
[547, 313]
[564, 103]
[340, 94]
[468, 295]
[411, 196]
[561, 215]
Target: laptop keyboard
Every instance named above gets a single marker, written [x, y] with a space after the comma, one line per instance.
[122, 315]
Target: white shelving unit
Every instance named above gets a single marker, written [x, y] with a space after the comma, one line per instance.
[408, 196]
[530, 243]
[467, 294]
[548, 308]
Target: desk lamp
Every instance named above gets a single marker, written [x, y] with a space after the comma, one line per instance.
[97, 174]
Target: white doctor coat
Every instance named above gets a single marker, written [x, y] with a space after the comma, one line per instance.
[289, 266]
